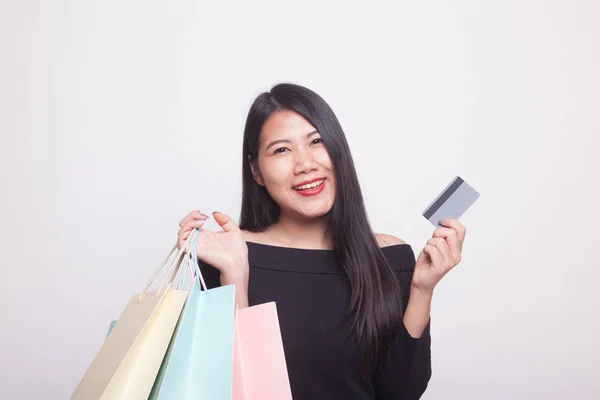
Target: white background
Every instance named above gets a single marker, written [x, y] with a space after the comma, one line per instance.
[117, 118]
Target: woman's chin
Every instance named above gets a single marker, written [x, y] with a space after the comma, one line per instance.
[315, 212]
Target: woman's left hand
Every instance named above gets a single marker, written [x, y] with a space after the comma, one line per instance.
[441, 253]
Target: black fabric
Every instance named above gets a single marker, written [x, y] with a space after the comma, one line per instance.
[324, 358]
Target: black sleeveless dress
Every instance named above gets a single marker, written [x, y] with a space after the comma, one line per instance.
[324, 358]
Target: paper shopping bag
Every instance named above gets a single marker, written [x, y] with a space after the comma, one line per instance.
[127, 363]
[111, 326]
[260, 370]
[199, 361]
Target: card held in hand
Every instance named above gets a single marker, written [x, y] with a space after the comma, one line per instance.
[453, 202]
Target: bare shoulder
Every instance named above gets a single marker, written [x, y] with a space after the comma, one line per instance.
[250, 236]
[385, 240]
[256, 237]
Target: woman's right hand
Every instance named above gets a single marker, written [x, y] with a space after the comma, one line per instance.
[227, 250]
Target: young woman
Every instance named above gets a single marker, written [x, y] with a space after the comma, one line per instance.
[353, 305]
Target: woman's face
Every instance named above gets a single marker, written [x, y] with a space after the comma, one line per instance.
[294, 166]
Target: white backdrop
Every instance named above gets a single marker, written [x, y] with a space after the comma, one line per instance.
[119, 117]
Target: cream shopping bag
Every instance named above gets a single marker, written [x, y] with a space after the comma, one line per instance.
[126, 365]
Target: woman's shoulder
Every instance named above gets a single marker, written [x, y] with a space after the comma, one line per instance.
[251, 236]
[399, 254]
[386, 240]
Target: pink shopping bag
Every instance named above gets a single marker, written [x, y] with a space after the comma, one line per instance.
[260, 370]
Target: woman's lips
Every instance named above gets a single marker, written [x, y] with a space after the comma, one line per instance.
[312, 191]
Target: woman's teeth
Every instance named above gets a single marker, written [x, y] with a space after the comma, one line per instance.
[310, 185]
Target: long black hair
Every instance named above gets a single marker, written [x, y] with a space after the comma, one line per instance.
[376, 298]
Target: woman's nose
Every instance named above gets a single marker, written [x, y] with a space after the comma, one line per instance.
[305, 161]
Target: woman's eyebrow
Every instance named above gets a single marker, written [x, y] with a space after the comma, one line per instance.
[274, 142]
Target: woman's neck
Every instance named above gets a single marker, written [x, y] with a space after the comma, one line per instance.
[299, 233]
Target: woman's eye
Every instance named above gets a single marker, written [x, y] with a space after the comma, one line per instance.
[280, 150]
[317, 141]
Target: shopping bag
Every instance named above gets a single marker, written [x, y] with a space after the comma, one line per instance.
[127, 363]
[260, 370]
[199, 361]
[111, 326]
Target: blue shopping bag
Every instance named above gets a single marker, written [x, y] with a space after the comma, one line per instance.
[199, 361]
[112, 325]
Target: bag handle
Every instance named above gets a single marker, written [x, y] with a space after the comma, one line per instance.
[194, 255]
[193, 263]
[173, 267]
[188, 265]
[179, 264]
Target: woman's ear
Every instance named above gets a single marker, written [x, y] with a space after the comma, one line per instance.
[256, 173]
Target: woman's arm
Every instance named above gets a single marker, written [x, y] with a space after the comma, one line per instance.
[417, 314]
[241, 284]
[408, 369]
